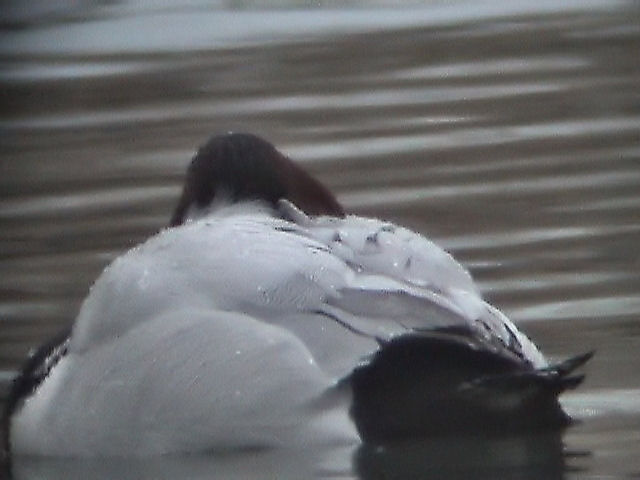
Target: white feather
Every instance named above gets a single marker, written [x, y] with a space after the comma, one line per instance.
[228, 331]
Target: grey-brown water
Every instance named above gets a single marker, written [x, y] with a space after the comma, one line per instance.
[509, 133]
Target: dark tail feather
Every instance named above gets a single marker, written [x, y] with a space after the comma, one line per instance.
[562, 373]
[564, 368]
[528, 399]
[418, 386]
[556, 378]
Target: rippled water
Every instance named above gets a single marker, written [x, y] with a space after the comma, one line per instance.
[508, 132]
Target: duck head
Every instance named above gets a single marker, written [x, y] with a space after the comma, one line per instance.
[238, 167]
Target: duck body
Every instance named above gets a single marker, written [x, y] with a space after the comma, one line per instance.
[252, 323]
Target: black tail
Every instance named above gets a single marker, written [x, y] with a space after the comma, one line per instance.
[553, 379]
[562, 373]
[421, 385]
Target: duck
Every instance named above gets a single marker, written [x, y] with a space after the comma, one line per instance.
[264, 316]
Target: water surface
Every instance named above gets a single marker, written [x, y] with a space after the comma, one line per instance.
[507, 132]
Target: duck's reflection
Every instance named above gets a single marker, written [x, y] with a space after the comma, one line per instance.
[525, 456]
[531, 456]
[237, 465]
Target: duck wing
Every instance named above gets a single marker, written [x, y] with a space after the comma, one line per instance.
[445, 359]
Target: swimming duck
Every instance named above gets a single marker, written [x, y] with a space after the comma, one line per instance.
[266, 316]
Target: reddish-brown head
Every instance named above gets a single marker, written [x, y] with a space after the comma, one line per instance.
[246, 167]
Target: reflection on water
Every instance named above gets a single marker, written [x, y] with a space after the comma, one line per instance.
[281, 464]
[537, 456]
[527, 457]
[507, 131]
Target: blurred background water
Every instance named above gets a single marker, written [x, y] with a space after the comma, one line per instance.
[509, 132]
